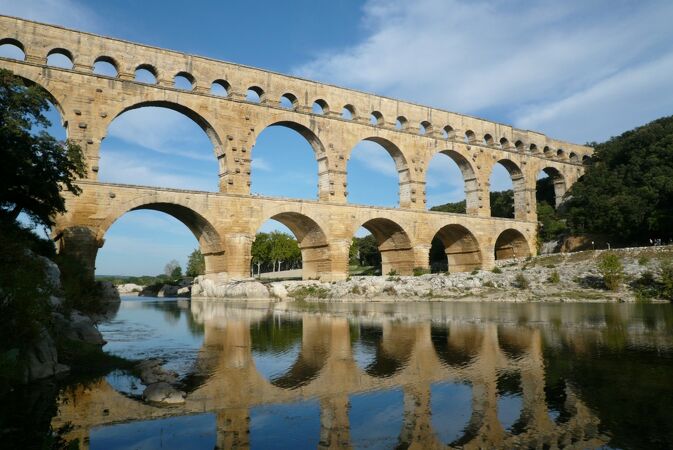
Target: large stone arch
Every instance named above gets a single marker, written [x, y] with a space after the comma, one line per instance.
[511, 243]
[53, 99]
[461, 246]
[206, 234]
[394, 244]
[470, 180]
[518, 186]
[310, 135]
[200, 119]
[401, 164]
[311, 238]
[559, 181]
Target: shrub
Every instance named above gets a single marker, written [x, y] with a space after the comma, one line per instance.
[302, 292]
[643, 260]
[357, 290]
[612, 270]
[475, 271]
[489, 284]
[667, 280]
[554, 277]
[392, 273]
[521, 281]
[390, 290]
[496, 269]
[418, 271]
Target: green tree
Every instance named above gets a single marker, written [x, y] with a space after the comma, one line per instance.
[627, 190]
[35, 168]
[196, 264]
[612, 270]
[172, 269]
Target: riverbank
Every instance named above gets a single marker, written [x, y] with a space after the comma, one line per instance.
[569, 277]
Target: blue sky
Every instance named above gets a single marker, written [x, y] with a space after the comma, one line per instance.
[576, 70]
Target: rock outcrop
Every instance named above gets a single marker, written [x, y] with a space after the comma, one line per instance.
[216, 285]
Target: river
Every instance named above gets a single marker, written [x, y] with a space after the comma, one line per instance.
[382, 375]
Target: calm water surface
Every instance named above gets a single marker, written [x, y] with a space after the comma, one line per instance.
[431, 375]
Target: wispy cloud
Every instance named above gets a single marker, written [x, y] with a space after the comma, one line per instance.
[69, 13]
[164, 131]
[375, 157]
[120, 168]
[260, 164]
[532, 63]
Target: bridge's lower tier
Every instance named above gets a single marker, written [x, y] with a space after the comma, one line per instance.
[225, 226]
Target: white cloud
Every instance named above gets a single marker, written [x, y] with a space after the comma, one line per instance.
[375, 157]
[164, 131]
[120, 168]
[507, 60]
[68, 13]
[260, 164]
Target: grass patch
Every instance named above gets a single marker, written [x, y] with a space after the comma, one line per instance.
[554, 277]
[304, 292]
[496, 269]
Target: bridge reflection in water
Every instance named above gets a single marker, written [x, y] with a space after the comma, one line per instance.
[343, 362]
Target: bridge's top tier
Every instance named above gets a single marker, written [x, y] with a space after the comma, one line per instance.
[39, 40]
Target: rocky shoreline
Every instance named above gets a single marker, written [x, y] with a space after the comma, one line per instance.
[570, 277]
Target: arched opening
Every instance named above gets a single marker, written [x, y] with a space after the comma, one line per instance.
[424, 128]
[550, 187]
[488, 140]
[143, 240]
[518, 145]
[348, 112]
[288, 101]
[381, 351]
[184, 81]
[533, 148]
[586, 159]
[378, 174]
[507, 190]
[470, 137]
[454, 249]
[548, 152]
[255, 94]
[290, 245]
[574, 158]
[511, 244]
[401, 123]
[458, 344]
[450, 178]
[284, 163]
[320, 107]
[376, 119]
[448, 133]
[504, 143]
[13, 49]
[161, 144]
[106, 66]
[560, 153]
[220, 88]
[392, 243]
[305, 357]
[60, 57]
[146, 73]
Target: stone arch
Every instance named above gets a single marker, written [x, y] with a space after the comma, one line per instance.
[109, 60]
[198, 118]
[376, 119]
[311, 239]
[318, 149]
[16, 43]
[63, 52]
[58, 104]
[403, 171]
[394, 245]
[488, 140]
[470, 137]
[425, 128]
[401, 123]
[348, 112]
[461, 247]
[256, 90]
[187, 76]
[202, 229]
[511, 243]
[518, 187]
[469, 179]
[574, 157]
[321, 106]
[458, 344]
[222, 86]
[504, 143]
[148, 68]
[448, 132]
[291, 99]
[559, 182]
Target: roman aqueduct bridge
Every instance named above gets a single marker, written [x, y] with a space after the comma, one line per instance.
[332, 119]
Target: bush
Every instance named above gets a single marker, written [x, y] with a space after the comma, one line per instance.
[612, 270]
[496, 269]
[475, 271]
[521, 281]
[303, 292]
[643, 260]
[554, 277]
[667, 280]
[392, 273]
[418, 271]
